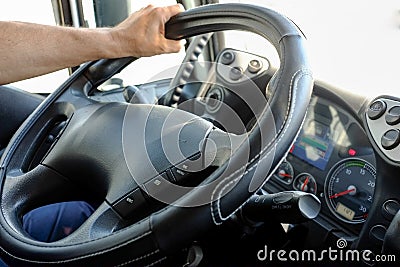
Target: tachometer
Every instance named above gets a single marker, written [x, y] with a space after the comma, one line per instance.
[349, 189]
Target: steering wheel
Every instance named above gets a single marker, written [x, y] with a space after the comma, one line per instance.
[121, 155]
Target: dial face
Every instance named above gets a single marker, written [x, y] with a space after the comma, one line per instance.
[349, 190]
[285, 173]
[305, 182]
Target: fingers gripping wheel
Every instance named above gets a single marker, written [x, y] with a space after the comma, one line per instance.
[85, 161]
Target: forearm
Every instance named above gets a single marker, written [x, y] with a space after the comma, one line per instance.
[28, 50]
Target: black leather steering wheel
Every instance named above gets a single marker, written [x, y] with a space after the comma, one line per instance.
[113, 151]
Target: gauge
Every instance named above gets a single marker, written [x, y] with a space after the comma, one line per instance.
[349, 189]
[305, 182]
[285, 173]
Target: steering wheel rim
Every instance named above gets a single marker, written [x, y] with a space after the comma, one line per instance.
[148, 241]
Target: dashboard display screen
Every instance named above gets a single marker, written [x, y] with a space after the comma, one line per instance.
[314, 144]
[345, 211]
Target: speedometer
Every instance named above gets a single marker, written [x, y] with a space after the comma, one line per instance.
[349, 189]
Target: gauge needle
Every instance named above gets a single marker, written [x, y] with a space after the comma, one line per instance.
[285, 175]
[342, 193]
[305, 183]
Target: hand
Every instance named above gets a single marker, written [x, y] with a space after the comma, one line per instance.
[142, 33]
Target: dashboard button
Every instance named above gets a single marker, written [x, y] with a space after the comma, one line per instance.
[157, 185]
[390, 208]
[254, 66]
[132, 205]
[376, 109]
[227, 58]
[393, 116]
[236, 73]
[185, 169]
[390, 139]
[179, 174]
[377, 233]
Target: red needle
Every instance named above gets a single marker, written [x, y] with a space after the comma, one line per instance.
[285, 175]
[342, 193]
[305, 183]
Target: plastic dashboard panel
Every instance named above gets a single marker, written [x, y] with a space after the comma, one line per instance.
[383, 123]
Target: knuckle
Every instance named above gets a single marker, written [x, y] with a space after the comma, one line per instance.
[150, 6]
[158, 9]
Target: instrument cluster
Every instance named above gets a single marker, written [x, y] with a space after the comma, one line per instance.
[333, 159]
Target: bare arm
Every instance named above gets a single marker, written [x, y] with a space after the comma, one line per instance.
[28, 50]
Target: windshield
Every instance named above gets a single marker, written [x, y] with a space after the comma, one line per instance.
[353, 45]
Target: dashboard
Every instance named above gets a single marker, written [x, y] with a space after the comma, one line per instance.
[333, 159]
[332, 156]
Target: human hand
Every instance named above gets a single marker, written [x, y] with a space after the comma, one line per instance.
[143, 32]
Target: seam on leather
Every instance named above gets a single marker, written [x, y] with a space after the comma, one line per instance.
[85, 242]
[285, 125]
[83, 256]
[81, 243]
[139, 258]
[247, 171]
[280, 71]
[156, 262]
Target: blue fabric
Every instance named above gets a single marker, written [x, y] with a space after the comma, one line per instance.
[56, 221]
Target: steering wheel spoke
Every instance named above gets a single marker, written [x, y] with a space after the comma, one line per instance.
[103, 222]
[38, 187]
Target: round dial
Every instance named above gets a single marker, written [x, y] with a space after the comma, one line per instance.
[305, 182]
[349, 190]
[285, 173]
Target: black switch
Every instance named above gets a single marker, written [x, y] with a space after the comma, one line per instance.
[157, 185]
[390, 208]
[132, 205]
[186, 168]
[376, 109]
[391, 139]
[162, 190]
[377, 234]
[179, 174]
